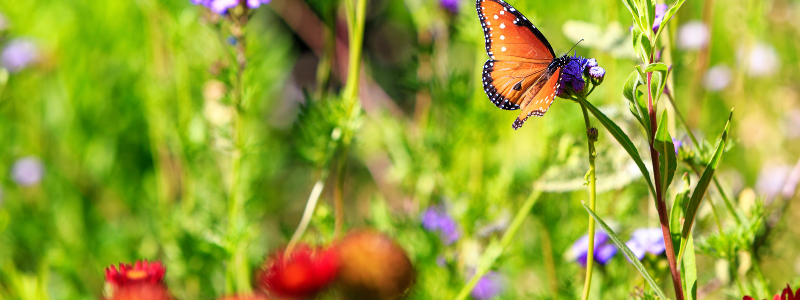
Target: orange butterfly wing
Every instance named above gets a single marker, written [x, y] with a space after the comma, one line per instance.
[520, 61]
[537, 104]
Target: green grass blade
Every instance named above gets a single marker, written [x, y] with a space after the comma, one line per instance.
[623, 140]
[705, 180]
[689, 271]
[666, 149]
[635, 261]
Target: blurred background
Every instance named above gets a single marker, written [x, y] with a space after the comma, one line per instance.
[115, 134]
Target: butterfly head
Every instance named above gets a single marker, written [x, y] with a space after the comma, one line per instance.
[559, 62]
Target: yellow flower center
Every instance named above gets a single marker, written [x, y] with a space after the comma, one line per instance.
[136, 274]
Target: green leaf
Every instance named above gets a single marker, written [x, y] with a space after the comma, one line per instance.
[666, 149]
[668, 15]
[634, 260]
[689, 272]
[657, 80]
[622, 139]
[702, 184]
[677, 211]
[631, 92]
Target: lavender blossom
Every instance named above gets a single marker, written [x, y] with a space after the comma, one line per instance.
[450, 5]
[693, 35]
[19, 54]
[603, 250]
[27, 171]
[761, 60]
[488, 287]
[677, 144]
[646, 240]
[717, 78]
[661, 10]
[436, 218]
[222, 6]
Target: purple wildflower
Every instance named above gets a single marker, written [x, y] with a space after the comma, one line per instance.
[222, 6]
[661, 9]
[677, 144]
[572, 77]
[436, 218]
[18, 54]
[717, 78]
[450, 5]
[27, 171]
[603, 250]
[646, 240]
[488, 287]
[597, 72]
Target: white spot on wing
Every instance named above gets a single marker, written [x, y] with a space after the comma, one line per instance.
[503, 25]
[502, 37]
[496, 17]
[502, 12]
[503, 49]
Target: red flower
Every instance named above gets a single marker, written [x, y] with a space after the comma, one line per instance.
[140, 272]
[785, 295]
[302, 274]
[140, 292]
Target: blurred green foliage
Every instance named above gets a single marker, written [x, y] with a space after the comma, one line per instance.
[129, 109]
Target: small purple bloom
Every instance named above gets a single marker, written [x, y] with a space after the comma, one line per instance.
[488, 287]
[591, 63]
[450, 5]
[222, 6]
[441, 261]
[646, 240]
[572, 76]
[27, 171]
[436, 218]
[661, 9]
[603, 250]
[693, 35]
[18, 54]
[597, 72]
[677, 144]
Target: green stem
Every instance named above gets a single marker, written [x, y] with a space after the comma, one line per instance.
[494, 251]
[592, 199]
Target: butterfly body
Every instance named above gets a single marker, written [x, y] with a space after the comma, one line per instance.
[522, 71]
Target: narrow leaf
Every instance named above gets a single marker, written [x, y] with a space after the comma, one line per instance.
[676, 213]
[622, 139]
[668, 15]
[702, 184]
[631, 257]
[666, 149]
[657, 80]
[689, 272]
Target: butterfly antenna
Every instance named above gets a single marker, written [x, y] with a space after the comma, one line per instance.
[576, 45]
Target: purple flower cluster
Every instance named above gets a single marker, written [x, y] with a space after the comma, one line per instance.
[572, 75]
[435, 218]
[222, 6]
[603, 249]
[646, 240]
[488, 287]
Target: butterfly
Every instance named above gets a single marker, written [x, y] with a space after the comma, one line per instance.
[522, 71]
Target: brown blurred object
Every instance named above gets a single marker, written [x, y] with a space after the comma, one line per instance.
[373, 266]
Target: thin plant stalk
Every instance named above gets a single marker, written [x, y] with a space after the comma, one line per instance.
[661, 204]
[591, 136]
[238, 276]
[494, 251]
